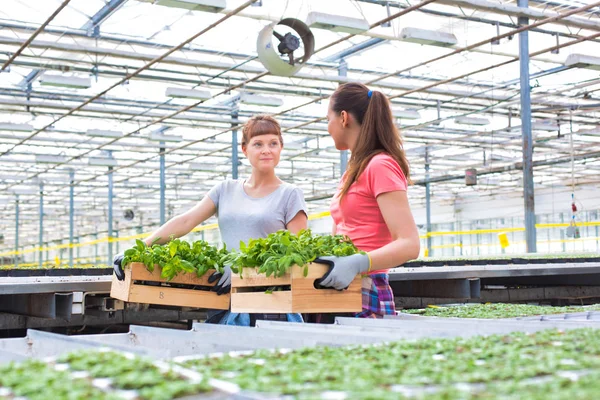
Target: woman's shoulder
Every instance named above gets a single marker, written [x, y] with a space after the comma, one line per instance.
[382, 160]
[227, 184]
[383, 163]
[290, 188]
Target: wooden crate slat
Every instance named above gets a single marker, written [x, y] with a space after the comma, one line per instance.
[177, 297]
[248, 302]
[140, 273]
[127, 290]
[303, 297]
[251, 278]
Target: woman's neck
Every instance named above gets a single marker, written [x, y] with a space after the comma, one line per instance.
[258, 179]
[352, 137]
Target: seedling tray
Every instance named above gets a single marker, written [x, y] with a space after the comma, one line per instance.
[292, 293]
[184, 290]
[132, 377]
[500, 366]
[34, 272]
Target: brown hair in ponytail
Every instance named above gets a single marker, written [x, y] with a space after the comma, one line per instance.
[378, 134]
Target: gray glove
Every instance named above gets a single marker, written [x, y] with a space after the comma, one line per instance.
[117, 267]
[224, 284]
[342, 270]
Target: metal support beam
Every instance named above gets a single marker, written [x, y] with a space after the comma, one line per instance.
[41, 233]
[34, 35]
[44, 305]
[94, 21]
[104, 13]
[16, 231]
[530, 234]
[234, 147]
[446, 288]
[353, 50]
[110, 215]
[71, 214]
[162, 183]
[428, 202]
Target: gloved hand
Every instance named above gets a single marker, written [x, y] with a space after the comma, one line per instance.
[117, 261]
[342, 270]
[224, 284]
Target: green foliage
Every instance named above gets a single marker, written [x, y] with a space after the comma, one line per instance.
[495, 310]
[37, 380]
[133, 373]
[276, 253]
[490, 367]
[177, 256]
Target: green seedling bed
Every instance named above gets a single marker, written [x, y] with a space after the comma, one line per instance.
[497, 310]
[498, 366]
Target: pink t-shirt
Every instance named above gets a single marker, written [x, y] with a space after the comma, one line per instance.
[358, 216]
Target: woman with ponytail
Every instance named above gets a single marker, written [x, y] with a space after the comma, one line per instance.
[370, 205]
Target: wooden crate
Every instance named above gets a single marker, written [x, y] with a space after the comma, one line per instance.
[248, 294]
[132, 291]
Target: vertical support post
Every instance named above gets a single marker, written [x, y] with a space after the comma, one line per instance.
[71, 215]
[234, 146]
[96, 249]
[17, 231]
[530, 234]
[597, 235]
[162, 183]
[343, 71]
[110, 215]
[428, 202]
[41, 238]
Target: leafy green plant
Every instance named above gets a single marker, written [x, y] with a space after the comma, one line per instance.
[177, 256]
[276, 253]
[135, 373]
[495, 310]
[37, 380]
[373, 372]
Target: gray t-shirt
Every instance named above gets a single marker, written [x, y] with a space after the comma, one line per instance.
[242, 217]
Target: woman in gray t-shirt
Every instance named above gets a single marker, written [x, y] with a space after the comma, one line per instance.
[250, 208]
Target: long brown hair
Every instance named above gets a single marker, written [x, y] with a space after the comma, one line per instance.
[260, 125]
[378, 134]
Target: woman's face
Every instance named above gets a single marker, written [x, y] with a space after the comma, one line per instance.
[335, 127]
[263, 152]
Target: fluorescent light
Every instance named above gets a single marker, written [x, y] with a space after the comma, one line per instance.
[76, 202]
[537, 126]
[54, 206]
[59, 179]
[201, 167]
[544, 126]
[189, 196]
[46, 159]
[160, 137]
[472, 121]
[188, 93]
[583, 61]
[66, 81]
[25, 191]
[336, 23]
[200, 5]
[259, 100]
[102, 162]
[405, 114]
[7, 126]
[592, 132]
[424, 36]
[104, 133]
